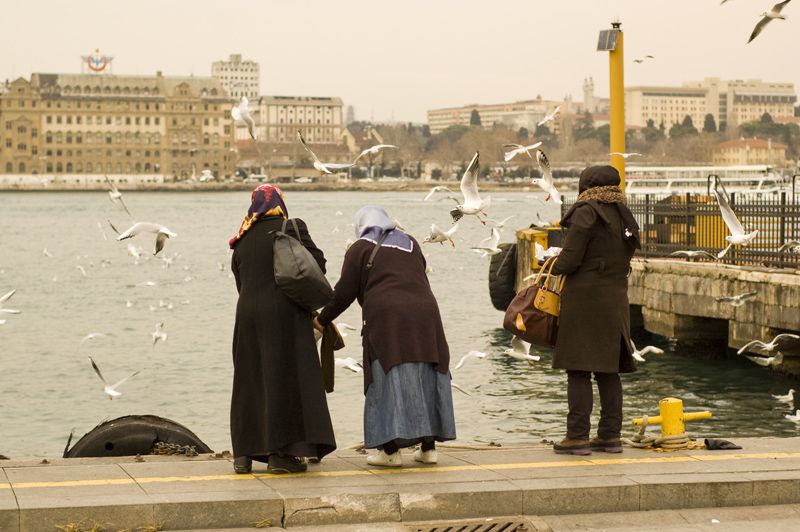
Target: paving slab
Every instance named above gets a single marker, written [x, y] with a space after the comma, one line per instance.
[332, 472]
[662, 492]
[461, 500]
[9, 516]
[345, 505]
[578, 495]
[223, 509]
[190, 477]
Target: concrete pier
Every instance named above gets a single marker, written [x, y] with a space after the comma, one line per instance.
[532, 481]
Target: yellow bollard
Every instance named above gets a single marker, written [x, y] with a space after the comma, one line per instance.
[672, 417]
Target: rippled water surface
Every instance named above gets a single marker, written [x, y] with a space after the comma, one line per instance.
[47, 386]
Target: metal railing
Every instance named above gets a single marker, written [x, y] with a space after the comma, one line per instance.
[670, 223]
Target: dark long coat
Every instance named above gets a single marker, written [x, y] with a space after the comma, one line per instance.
[594, 323]
[278, 400]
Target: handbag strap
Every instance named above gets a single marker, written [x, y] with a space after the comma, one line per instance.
[545, 270]
[294, 224]
[375, 250]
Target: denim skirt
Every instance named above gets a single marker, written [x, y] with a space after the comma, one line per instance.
[410, 403]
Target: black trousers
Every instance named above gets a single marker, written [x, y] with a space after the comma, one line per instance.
[580, 401]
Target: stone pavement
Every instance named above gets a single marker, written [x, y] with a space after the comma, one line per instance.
[203, 493]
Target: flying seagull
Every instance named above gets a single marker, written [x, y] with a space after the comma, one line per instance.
[693, 254]
[349, 363]
[436, 189]
[626, 155]
[638, 354]
[736, 301]
[162, 233]
[158, 334]
[788, 398]
[324, 168]
[501, 223]
[767, 17]
[642, 59]
[738, 235]
[5, 298]
[793, 246]
[777, 360]
[110, 389]
[768, 347]
[116, 196]
[517, 149]
[241, 113]
[439, 236]
[546, 181]
[91, 336]
[473, 204]
[550, 117]
[374, 150]
[521, 350]
[471, 354]
[488, 247]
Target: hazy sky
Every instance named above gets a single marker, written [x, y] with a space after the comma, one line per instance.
[396, 60]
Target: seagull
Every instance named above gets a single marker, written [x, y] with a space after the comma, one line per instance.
[110, 389]
[768, 16]
[550, 117]
[793, 417]
[46, 253]
[501, 223]
[788, 398]
[488, 246]
[440, 236]
[169, 260]
[339, 213]
[82, 269]
[436, 189]
[520, 350]
[546, 181]
[642, 59]
[162, 233]
[345, 326]
[5, 298]
[374, 150]
[626, 155]
[768, 347]
[693, 254]
[777, 360]
[128, 303]
[116, 196]
[349, 363]
[103, 231]
[158, 334]
[638, 354]
[517, 149]
[792, 246]
[473, 204]
[324, 168]
[471, 354]
[241, 113]
[736, 301]
[460, 389]
[134, 251]
[91, 336]
[737, 236]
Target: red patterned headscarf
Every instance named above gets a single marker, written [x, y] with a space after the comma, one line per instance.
[266, 201]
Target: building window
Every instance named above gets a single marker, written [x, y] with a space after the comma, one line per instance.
[8, 143]
[49, 168]
[109, 138]
[59, 167]
[34, 150]
[21, 168]
[205, 138]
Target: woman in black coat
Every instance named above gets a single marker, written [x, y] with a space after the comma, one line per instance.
[279, 412]
[594, 322]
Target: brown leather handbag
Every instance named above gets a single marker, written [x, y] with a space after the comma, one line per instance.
[533, 314]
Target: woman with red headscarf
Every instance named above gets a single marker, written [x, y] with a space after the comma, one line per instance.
[279, 412]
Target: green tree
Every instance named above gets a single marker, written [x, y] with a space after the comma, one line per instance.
[687, 122]
[426, 131]
[584, 128]
[603, 134]
[709, 125]
[475, 118]
[684, 129]
[766, 118]
[523, 134]
[652, 133]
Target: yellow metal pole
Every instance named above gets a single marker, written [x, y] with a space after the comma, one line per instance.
[617, 112]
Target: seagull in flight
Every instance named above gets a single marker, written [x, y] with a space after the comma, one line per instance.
[767, 362]
[736, 301]
[738, 235]
[517, 149]
[241, 113]
[626, 155]
[116, 196]
[110, 389]
[439, 236]
[693, 254]
[473, 204]
[162, 233]
[471, 354]
[46, 253]
[521, 350]
[788, 398]
[501, 223]
[768, 347]
[546, 181]
[323, 168]
[158, 334]
[5, 298]
[793, 246]
[436, 189]
[349, 363]
[642, 59]
[91, 336]
[374, 150]
[488, 247]
[550, 117]
[767, 17]
[638, 354]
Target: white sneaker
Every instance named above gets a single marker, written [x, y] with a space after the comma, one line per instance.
[426, 457]
[386, 460]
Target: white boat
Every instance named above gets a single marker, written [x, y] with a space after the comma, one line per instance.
[676, 180]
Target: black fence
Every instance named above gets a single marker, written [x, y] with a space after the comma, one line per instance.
[692, 222]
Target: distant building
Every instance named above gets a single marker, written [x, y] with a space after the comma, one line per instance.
[350, 115]
[358, 139]
[239, 78]
[71, 124]
[750, 151]
[730, 102]
[279, 117]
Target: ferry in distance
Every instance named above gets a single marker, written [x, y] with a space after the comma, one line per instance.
[676, 180]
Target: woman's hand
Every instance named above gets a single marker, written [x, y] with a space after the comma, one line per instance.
[317, 325]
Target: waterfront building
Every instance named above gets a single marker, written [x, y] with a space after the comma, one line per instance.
[238, 77]
[72, 124]
[730, 102]
[749, 152]
[279, 117]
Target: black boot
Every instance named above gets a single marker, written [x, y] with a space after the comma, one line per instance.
[242, 465]
[280, 464]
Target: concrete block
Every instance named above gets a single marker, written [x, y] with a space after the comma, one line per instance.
[113, 516]
[665, 492]
[217, 510]
[658, 300]
[332, 506]
[579, 495]
[700, 305]
[459, 500]
[9, 513]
